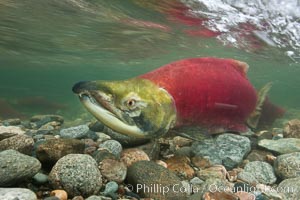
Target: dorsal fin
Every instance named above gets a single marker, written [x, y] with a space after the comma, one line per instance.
[241, 66]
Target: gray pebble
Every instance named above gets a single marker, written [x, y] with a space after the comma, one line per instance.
[227, 149]
[77, 132]
[247, 177]
[21, 143]
[77, 174]
[40, 178]
[113, 147]
[15, 167]
[17, 194]
[290, 188]
[111, 187]
[262, 171]
[281, 146]
[9, 131]
[287, 165]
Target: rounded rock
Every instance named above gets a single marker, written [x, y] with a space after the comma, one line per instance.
[281, 146]
[16, 167]
[217, 171]
[262, 171]
[77, 174]
[181, 167]
[292, 129]
[132, 155]
[17, 193]
[113, 170]
[290, 188]
[77, 132]
[231, 149]
[22, 143]
[110, 188]
[61, 194]
[287, 165]
[52, 150]
[9, 131]
[112, 146]
[149, 174]
[40, 178]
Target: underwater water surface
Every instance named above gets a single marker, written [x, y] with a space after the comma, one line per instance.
[47, 46]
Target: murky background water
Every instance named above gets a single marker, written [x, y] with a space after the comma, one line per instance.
[47, 46]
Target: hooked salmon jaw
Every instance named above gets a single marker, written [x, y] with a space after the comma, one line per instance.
[134, 107]
[114, 120]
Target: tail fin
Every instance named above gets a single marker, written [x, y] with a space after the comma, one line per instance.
[270, 112]
[255, 116]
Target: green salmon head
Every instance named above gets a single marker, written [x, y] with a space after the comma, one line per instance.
[135, 107]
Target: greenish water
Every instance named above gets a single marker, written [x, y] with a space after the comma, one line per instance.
[47, 46]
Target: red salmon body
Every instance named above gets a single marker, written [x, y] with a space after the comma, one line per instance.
[208, 92]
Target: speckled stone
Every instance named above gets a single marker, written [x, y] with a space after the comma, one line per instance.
[52, 150]
[132, 155]
[262, 171]
[70, 174]
[217, 171]
[16, 167]
[9, 131]
[17, 194]
[148, 173]
[113, 170]
[112, 146]
[247, 177]
[77, 132]
[292, 129]
[181, 166]
[22, 143]
[281, 146]
[287, 165]
[227, 149]
[290, 188]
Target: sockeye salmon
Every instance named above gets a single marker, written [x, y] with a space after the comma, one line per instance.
[210, 93]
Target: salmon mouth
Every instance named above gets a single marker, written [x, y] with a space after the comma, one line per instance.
[101, 107]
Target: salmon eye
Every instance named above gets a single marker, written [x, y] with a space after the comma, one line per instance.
[131, 103]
